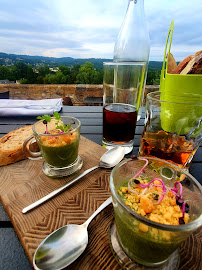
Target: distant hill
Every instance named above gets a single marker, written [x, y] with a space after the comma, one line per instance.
[9, 59]
[155, 65]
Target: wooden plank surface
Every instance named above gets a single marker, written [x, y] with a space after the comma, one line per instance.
[16, 199]
[23, 183]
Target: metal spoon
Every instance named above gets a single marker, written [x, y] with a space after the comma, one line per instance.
[64, 245]
[108, 160]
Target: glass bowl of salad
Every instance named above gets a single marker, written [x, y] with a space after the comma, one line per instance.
[157, 206]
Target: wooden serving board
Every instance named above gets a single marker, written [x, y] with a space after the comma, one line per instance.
[23, 183]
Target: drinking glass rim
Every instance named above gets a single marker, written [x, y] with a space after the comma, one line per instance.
[124, 63]
[64, 133]
[186, 227]
[149, 96]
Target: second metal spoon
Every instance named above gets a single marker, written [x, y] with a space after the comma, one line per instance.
[65, 245]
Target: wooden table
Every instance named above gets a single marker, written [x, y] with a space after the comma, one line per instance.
[12, 255]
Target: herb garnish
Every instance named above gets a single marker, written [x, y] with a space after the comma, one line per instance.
[46, 118]
[58, 123]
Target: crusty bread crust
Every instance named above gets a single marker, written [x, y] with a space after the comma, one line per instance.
[197, 67]
[182, 64]
[172, 65]
[199, 52]
[11, 145]
[192, 64]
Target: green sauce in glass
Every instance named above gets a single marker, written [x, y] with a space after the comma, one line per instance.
[153, 246]
[61, 156]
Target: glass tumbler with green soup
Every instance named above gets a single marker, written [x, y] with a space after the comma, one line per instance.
[58, 140]
[157, 206]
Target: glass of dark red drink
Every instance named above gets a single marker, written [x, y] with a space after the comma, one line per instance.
[173, 129]
[123, 87]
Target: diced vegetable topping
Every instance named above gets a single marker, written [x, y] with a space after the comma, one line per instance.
[153, 192]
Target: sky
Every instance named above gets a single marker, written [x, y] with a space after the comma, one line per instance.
[89, 28]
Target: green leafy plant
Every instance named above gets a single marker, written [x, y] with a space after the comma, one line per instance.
[58, 124]
[46, 118]
[57, 116]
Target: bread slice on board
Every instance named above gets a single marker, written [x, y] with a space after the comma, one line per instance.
[11, 145]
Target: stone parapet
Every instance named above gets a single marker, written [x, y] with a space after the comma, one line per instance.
[80, 94]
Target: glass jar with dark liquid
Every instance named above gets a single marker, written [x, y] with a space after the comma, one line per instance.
[123, 93]
[119, 122]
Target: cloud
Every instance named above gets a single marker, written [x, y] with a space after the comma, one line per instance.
[88, 28]
[187, 35]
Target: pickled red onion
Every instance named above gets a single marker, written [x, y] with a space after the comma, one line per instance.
[60, 131]
[130, 182]
[142, 167]
[163, 186]
[175, 190]
[183, 208]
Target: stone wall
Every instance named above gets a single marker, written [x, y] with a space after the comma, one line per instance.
[80, 94]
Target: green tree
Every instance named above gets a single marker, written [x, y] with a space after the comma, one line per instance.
[76, 68]
[158, 75]
[101, 75]
[23, 81]
[6, 74]
[16, 72]
[42, 71]
[31, 75]
[57, 78]
[65, 70]
[50, 79]
[87, 74]
[74, 72]
[22, 69]
[153, 77]
[40, 80]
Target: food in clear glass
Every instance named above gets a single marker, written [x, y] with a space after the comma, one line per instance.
[151, 242]
[58, 141]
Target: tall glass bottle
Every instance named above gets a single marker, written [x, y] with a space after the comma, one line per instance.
[133, 45]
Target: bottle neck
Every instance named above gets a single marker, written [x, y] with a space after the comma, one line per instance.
[133, 39]
[137, 2]
[135, 13]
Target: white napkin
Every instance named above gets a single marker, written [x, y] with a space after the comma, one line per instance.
[12, 107]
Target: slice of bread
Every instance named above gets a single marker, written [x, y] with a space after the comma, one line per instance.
[197, 67]
[172, 65]
[11, 145]
[183, 64]
[192, 64]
